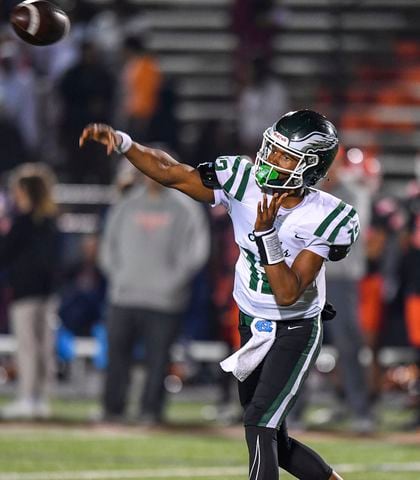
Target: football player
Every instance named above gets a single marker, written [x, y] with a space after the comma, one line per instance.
[286, 230]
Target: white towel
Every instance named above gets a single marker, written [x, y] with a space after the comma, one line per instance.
[244, 361]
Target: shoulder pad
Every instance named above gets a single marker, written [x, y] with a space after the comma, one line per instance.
[208, 175]
[338, 252]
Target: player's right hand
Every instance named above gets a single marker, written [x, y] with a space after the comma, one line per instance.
[102, 133]
[266, 214]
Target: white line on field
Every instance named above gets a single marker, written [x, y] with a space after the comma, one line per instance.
[377, 467]
[193, 472]
[128, 474]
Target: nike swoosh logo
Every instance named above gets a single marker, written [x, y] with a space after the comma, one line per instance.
[297, 326]
[300, 238]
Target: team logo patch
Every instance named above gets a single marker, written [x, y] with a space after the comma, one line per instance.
[315, 141]
[264, 326]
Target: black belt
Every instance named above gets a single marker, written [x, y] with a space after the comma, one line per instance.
[246, 320]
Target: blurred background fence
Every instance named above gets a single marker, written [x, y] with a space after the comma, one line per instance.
[204, 78]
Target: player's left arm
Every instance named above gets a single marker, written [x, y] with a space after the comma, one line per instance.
[287, 283]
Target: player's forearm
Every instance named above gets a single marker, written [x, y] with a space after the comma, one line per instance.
[284, 283]
[155, 163]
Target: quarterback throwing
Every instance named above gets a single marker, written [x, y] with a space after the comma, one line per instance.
[286, 230]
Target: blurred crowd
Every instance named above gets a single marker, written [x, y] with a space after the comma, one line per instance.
[103, 72]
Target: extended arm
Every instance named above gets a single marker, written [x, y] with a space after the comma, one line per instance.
[287, 283]
[154, 163]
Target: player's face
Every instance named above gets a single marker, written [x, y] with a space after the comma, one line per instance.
[278, 166]
[282, 159]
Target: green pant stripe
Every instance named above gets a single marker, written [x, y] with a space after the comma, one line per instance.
[278, 409]
[229, 183]
[343, 222]
[290, 405]
[331, 217]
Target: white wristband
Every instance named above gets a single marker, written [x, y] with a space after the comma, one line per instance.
[126, 143]
[269, 247]
[264, 232]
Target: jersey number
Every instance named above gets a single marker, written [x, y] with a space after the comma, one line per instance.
[354, 232]
[221, 164]
[258, 280]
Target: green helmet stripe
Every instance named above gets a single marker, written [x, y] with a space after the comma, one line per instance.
[343, 222]
[331, 217]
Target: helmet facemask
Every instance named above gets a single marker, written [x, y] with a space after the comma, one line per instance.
[268, 175]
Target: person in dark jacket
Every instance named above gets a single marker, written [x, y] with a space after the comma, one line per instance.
[28, 253]
[86, 90]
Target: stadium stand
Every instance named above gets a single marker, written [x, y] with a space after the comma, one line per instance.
[355, 60]
[358, 49]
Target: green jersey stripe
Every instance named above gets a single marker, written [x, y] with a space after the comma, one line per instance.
[253, 280]
[331, 217]
[229, 183]
[256, 276]
[265, 288]
[244, 182]
[343, 222]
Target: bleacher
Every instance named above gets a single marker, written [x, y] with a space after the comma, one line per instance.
[336, 56]
[323, 51]
[333, 55]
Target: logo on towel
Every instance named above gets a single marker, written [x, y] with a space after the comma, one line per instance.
[263, 326]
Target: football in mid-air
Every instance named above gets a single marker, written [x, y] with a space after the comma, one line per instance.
[39, 22]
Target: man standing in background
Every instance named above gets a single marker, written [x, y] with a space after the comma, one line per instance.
[154, 243]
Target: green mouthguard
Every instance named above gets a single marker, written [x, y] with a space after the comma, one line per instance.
[265, 174]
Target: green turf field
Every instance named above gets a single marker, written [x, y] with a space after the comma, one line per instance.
[69, 448]
[101, 453]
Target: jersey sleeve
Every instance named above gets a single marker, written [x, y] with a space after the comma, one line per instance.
[220, 198]
[340, 227]
[319, 246]
[233, 174]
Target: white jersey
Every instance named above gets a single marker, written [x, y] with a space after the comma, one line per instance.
[318, 222]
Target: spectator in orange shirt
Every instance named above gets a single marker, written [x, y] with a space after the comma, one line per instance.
[140, 85]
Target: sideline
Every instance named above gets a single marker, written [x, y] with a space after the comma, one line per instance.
[190, 473]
